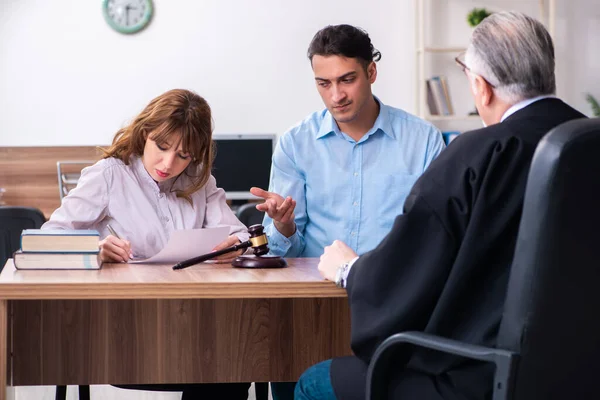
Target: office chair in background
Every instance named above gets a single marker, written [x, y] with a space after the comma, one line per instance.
[13, 220]
[548, 346]
[68, 175]
[249, 215]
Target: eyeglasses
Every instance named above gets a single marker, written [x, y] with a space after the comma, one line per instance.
[459, 61]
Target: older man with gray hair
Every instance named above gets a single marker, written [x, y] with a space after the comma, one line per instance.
[443, 269]
[510, 64]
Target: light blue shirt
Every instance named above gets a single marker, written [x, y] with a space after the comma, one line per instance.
[348, 190]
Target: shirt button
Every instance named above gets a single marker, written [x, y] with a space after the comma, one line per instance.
[353, 233]
[160, 195]
[356, 174]
[355, 203]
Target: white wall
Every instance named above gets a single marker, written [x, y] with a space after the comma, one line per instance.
[578, 58]
[66, 78]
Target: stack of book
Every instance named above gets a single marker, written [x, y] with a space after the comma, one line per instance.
[58, 249]
[438, 96]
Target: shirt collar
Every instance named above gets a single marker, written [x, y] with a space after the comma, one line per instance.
[522, 104]
[383, 123]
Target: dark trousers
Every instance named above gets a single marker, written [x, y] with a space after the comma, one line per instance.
[199, 391]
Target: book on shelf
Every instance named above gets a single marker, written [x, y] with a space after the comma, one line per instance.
[431, 103]
[57, 260]
[61, 240]
[446, 91]
[438, 96]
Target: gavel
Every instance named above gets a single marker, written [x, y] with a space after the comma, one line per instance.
[259, 243]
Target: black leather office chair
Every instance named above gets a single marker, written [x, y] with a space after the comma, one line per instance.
[12, 222]
[249, 215]
[548, 344]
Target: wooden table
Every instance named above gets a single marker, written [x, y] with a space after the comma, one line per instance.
[135, 323]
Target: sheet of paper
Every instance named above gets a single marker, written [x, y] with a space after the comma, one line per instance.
[188, 243]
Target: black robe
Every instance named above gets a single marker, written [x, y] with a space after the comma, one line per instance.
[443, 269]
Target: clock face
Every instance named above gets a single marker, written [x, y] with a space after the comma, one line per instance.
[127, 16]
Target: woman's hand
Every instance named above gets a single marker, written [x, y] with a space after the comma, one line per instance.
[113, 249]
[232, 240]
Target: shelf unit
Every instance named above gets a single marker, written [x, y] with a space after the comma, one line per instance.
[546, 14]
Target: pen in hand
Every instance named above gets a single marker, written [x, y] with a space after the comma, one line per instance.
[112, 232]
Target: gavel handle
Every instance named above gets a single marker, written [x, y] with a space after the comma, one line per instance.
[208, 256]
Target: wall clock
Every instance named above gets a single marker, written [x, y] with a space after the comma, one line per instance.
[127, 16]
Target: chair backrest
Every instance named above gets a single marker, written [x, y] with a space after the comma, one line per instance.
[68, 174]
[13, 220]
[249, 215]
[553, 298]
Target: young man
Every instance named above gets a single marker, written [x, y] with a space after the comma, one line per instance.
[344, 172]
[444, 267]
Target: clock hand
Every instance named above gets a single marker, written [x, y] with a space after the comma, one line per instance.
[127, 8]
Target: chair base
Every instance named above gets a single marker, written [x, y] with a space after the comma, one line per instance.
[61, 392]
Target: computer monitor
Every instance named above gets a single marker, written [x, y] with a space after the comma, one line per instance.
[243, 161]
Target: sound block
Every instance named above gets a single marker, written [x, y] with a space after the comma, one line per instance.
[252, 261]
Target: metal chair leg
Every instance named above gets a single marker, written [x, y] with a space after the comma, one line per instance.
[61, 393]
[84, 392]
[262, 390]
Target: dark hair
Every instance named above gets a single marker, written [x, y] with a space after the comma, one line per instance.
[177, 111]
[344, 40]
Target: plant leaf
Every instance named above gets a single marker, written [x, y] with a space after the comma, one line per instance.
[594, 104]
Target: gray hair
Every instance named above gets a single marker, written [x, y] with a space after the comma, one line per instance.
[514, 53]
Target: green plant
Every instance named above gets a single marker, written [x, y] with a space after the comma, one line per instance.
[476, 16]
[594, 103]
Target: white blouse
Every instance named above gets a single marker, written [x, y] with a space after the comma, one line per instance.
[139, 209]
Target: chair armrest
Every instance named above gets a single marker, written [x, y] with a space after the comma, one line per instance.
[383, 358]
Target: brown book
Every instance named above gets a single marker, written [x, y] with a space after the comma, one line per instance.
[433, 110]
[446, 91]
[438, 95]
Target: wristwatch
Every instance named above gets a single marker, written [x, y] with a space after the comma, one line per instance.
[340, 274]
